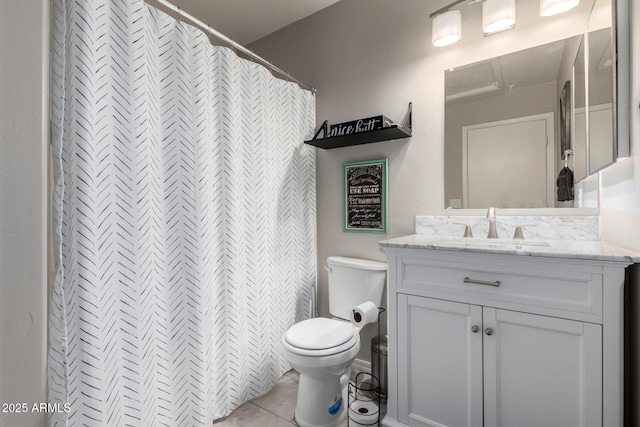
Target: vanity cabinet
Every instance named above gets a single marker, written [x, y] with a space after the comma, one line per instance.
[492, 340]
[495, 367]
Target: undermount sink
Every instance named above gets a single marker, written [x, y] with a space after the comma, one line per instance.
[492, 243]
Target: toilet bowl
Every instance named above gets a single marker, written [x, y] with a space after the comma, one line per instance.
[321, 399]
[322, 350]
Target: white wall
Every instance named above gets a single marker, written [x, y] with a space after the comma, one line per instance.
[370, 57]
[24, 34]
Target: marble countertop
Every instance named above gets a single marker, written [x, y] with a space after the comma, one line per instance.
[569, 249]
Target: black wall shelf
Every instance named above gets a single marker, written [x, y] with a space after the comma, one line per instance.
[389, 133]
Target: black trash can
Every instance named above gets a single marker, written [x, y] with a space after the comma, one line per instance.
[379, 361]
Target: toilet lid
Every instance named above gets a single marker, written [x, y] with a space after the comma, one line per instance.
[319, 333]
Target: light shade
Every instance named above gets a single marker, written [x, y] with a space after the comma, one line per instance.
[447, 28]
[554, 7]
[498, 15]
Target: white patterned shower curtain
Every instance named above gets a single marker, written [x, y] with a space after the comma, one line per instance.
[184, 219]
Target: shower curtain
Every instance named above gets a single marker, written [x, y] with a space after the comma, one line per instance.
[183, 219]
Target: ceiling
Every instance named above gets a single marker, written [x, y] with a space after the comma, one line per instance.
[245, 21]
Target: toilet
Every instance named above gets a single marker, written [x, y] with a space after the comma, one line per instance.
[322, 350]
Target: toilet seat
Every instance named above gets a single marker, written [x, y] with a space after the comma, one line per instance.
[320, 337]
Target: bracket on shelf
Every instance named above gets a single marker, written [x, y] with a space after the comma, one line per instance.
[324, 128]
[406, 122]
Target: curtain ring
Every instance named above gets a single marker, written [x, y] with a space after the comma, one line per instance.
[179, 14]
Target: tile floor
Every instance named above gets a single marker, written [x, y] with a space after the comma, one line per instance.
[274, 409]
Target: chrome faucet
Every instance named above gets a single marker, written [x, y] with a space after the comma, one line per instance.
[491, 216]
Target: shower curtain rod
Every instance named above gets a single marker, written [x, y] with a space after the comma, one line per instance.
[235, 45]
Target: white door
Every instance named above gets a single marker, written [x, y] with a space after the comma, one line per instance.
[509, 163]
[439, 363]
[541, 371]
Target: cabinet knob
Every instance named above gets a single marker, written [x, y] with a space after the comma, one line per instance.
[488, 331]
[475, 329]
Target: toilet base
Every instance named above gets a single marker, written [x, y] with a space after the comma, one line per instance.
[322, 387]
[322, 402]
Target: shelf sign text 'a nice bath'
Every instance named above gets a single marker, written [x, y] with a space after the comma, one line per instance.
[357, 126]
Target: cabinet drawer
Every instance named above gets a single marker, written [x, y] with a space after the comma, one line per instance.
[573, 290]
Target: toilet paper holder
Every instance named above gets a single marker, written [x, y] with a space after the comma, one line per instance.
[365, 397]
[364, 403]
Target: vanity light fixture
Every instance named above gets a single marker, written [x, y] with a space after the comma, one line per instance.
[447, 28]
[446, 25]
[498, 15]
[554, 7]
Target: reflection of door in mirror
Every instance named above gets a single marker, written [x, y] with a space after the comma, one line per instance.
[509, 163]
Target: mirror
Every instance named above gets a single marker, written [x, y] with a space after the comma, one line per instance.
[510, 119]
[600, 98]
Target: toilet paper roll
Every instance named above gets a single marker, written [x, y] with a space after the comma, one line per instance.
[364, 314]
[363, 413]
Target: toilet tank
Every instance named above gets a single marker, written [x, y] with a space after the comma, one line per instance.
[353, 281]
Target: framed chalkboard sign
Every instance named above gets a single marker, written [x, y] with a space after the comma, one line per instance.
[364, 196]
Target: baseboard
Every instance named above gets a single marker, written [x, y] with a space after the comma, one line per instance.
[388, 422]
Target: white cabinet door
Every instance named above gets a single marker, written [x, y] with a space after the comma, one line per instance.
[541, 371]
[439, 363]
[466, 365]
